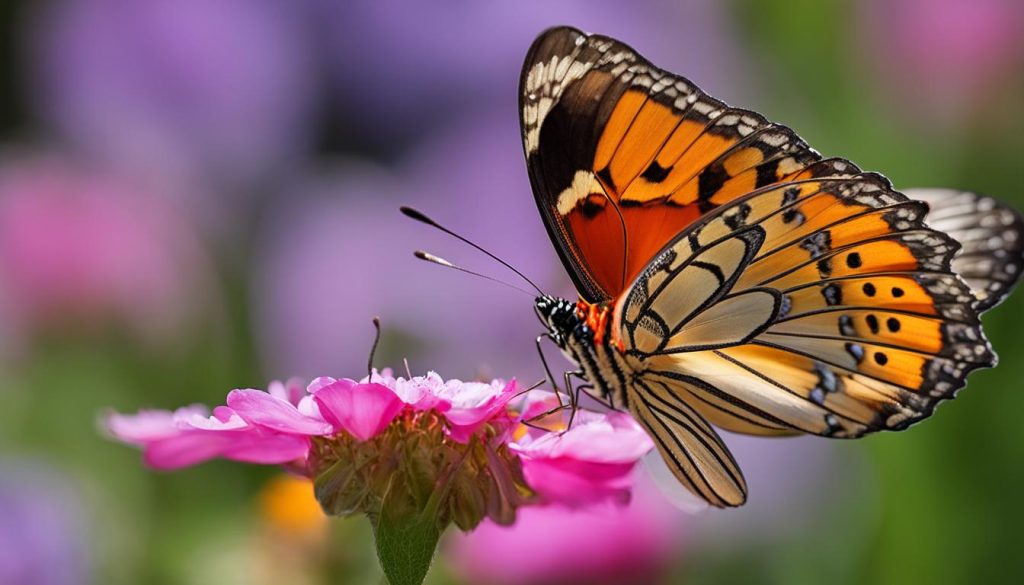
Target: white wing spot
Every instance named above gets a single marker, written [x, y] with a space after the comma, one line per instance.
[583, 184]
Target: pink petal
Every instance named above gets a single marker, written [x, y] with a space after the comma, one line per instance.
[364, 410]
[307, 406]
[260, 408]
[565, 482]
[270, 448]
[223, 419]
[422, 392]
[250, 445]
[591, 462]
[480, 413]
[291, 390]
[607, 438]
[187, 448]
[318, 383]
[464, 422]
[149, 425]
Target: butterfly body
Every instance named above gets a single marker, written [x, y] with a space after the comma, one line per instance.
[584, 333]
[730, 275]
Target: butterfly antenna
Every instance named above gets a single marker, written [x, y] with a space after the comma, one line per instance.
[373, 348]
[421, 217]
[428, 257]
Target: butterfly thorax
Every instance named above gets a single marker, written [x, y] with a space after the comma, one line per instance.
[584, 333]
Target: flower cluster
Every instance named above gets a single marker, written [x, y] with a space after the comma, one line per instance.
[399, 442]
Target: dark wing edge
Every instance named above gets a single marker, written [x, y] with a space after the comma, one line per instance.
[556, 42]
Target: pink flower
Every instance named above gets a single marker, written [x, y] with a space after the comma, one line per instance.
[462, 431]
[282, 419]
[406, 451]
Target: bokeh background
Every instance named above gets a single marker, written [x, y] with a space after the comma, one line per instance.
[199, 195]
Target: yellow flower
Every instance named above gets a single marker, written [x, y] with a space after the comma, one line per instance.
[289, 506]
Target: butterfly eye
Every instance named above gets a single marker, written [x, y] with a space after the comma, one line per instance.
[543, 309]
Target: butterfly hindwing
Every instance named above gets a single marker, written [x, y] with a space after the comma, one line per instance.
[991, 235]
[678, 305]
[693, 450]
[623, 155]
[871, 326]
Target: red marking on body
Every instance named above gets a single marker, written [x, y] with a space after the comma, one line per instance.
[596, 317]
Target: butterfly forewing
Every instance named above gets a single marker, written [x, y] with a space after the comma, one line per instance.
[623, 155]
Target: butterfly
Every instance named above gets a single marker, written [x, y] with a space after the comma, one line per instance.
[730, 276]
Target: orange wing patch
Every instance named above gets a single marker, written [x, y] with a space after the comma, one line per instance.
[898, 291]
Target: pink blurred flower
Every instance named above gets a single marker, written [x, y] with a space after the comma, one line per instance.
[209, 91]
[79, 245]
[597, 545]
[949, 58]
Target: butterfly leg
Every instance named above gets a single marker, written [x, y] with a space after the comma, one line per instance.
[524, 390]
[529, 422]
[573, 401]
[574, 393]
[574, 398]
[547, 369]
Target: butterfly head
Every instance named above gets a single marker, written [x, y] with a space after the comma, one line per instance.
[558, 315]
